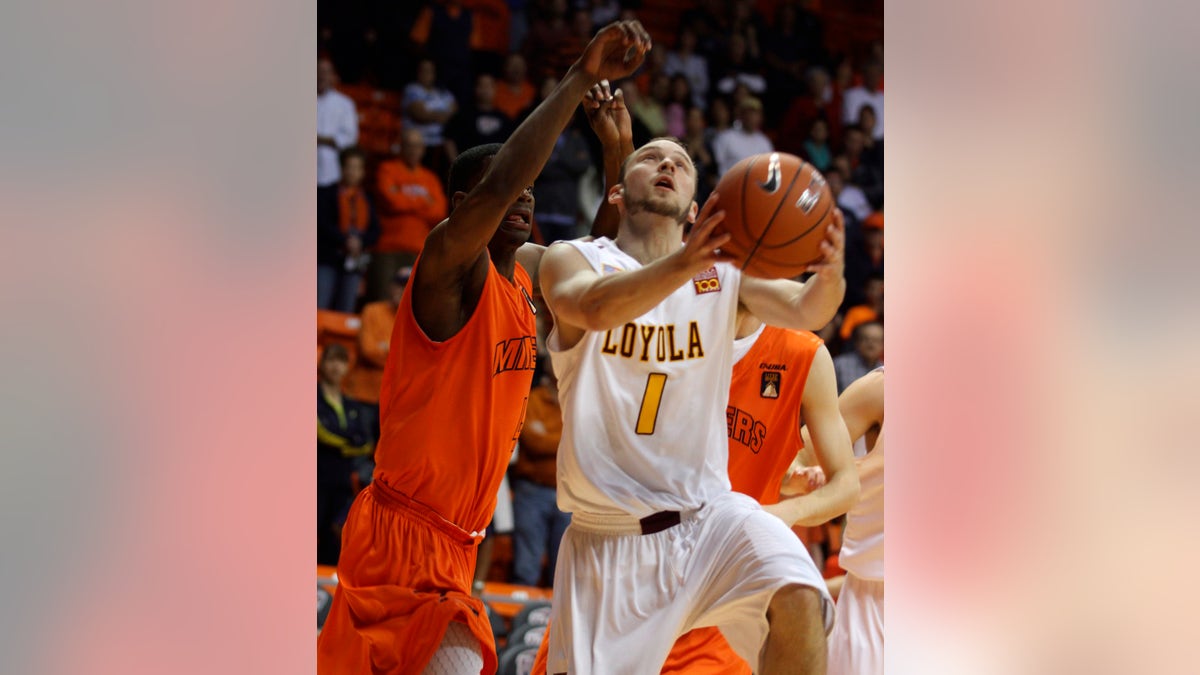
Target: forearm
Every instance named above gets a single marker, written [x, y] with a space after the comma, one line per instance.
[608, 217]
[616, 299]
[525, 153]
[832, 499]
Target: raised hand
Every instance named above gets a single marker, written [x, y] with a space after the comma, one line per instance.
[607, 115]
[702, 249]
[616, 51]
[833, 263]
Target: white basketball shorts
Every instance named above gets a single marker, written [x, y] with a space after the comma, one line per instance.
[856, 644]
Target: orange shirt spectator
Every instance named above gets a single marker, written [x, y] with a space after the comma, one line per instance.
[411, 199]
[374, 338]
[514, 94]
[537, 460]
[871, 310]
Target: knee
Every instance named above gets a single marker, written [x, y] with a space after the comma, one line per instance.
[796, 603]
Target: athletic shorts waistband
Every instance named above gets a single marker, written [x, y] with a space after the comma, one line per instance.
[623, 524]
[394, 499]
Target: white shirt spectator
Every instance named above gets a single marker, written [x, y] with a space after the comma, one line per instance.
[853, 199]
[855, 98]
[435, 100]
[695, 68]
[338, 119]
[733, 145]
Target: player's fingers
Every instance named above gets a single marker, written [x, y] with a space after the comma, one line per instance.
[704, 232]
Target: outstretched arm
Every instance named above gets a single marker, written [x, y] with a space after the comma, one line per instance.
[831, 448]
[583, 300]
[457, 244]
[803, 306]
[609, 119]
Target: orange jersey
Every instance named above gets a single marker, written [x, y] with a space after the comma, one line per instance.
[451, 412]
[763, 415]
[763, 419]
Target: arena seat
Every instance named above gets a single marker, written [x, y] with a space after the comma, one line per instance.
[535, 613]
[527, 634]
[517, 660]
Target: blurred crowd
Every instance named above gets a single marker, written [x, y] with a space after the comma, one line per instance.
[402, 88]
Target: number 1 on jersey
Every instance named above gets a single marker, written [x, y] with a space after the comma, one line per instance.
[648, 415]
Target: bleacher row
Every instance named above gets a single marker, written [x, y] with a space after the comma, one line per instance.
[518, 615]
[379, 110]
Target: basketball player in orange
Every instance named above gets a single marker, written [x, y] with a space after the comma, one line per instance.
[643, 324]
[452, 402]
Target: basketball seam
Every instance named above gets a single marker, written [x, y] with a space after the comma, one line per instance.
[758, 241]
[805, 233]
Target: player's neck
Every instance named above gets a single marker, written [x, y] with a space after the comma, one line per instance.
[747, 323]
[650, 238]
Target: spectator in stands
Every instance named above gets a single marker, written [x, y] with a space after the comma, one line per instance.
[868, 93]
[649, 109]
[736, 144]
[870, 310]
[817, 102]
[411, 202]
[699, 145]
[816, 146]
[678, 102]
[374, 340]
[346, 227]
[865, 357]
[343, 440]
[864, 172]
[685, 61]
[710, 24]
[556, 210]
[518, 25]
[864, 256]
[549, 32]
[850, 197]
[631, 94]
[744, 20]
[427, 107]
[337, 123]
[604, 12]
[738, 67]
[538, 524]
[443, 30]
[515, 93]
[479, 123]
[872, 153]
[785, 53]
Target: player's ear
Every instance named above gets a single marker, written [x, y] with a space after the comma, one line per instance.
[616, 195]
[693, 211]
[457, 199]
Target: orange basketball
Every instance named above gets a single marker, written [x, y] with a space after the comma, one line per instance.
[776, 209]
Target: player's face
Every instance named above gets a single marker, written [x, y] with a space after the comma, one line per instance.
[517, 222]
[660, 178]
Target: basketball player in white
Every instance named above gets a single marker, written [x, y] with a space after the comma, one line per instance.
[643, 350]
[856, 644]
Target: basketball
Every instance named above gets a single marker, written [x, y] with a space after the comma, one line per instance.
[777, 207]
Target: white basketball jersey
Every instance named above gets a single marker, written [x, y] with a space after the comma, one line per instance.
[644, 404]
[862, 542]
